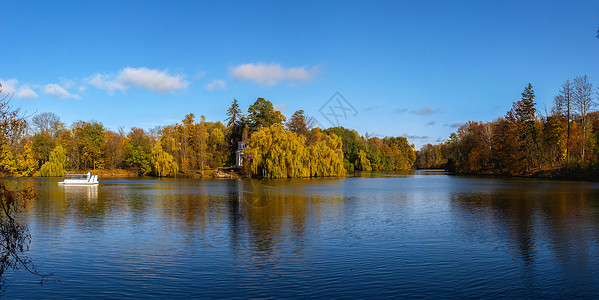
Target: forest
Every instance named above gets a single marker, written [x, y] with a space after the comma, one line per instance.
[561, 142]
[277, 147]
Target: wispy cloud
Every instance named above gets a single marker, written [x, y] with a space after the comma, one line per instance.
[280, 107]
[431, 123]
[400, 110]
[453, 125]
[104, 82]
[216, 84]
[148, 79]
[371, 108]
[58, 91]
[416, 137]
[269, 75]
[426, 111]
[25, 92]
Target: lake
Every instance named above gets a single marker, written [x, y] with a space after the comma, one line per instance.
[412, 234]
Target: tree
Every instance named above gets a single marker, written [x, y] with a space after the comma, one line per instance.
[583, 102]
[14, 237]
[234, 115]
[27, 164]
[524, 114]
[163, 164]
[89, 138]
[138, 147]
[47, 123]
[363, 164]
[8, 165]
[114, 149]
[263, 114]
[43, 143]
[563, 106]
[300, 123]
[55, 167]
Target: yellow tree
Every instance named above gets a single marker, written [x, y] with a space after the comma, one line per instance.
[7, 160]
[163, 164]
[26, 160]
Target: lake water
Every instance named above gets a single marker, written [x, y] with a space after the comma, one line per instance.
[385, 235]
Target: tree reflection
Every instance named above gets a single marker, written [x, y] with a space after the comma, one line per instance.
[558, 219]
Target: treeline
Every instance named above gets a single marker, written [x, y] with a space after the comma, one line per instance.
[524, 142]
[278, 148]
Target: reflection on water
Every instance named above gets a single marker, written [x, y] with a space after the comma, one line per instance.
[382, 235]
[87, 192]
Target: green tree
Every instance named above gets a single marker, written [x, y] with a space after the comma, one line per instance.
[138, 147]
[54, 167]
[234, 115]
[263, 114]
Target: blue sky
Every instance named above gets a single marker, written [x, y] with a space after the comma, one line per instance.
[410, 68]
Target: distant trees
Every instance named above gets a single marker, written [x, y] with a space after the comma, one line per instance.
[47, 147]
[524, 143]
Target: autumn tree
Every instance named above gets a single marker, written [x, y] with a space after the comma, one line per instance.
[583, 102]
[14, 236]
[163, 164]
[54, 167]
[300, 123]
[8, 164]
[563, 106]
[26, 162]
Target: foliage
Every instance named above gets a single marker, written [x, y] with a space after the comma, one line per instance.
[263, 114]
[8, 164]
[55, 167]
[27, 164]
[163, 164]
[522, 143]
[276, 153]
[14, 237]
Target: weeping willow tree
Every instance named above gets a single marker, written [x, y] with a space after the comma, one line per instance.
[56, 165]
[163, 164]
[362, 163]
[326, 155]
[276, 153]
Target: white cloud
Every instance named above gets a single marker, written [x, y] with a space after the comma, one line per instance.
[272, 74]
[58, 91]
[216, 84]
[104, 82]
[9, 86]
[153, 80]
[25, 92]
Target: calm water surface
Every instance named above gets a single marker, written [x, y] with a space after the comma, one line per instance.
[386, 235]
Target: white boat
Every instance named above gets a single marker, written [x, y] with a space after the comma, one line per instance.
[80, 179]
